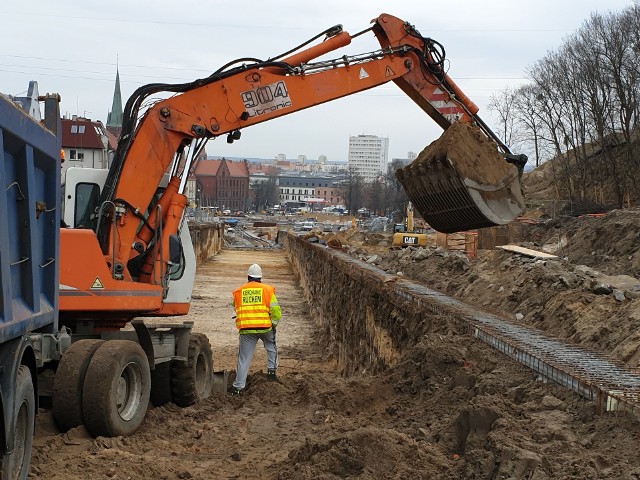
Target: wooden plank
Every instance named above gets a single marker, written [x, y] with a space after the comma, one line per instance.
[526, 251]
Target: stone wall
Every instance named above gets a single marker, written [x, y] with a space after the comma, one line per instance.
[368, 317]
[207, 239]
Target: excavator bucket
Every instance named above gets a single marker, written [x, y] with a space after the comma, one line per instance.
[461, 182]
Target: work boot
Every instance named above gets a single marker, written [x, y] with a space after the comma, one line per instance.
[271, 375]
[234, 392]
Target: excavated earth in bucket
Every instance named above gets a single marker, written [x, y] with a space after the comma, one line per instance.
[461, 182]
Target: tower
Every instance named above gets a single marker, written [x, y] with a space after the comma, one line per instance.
[114, 118]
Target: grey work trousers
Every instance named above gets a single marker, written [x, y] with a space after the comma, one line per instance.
[247, 347]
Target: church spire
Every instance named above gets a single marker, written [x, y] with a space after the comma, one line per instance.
[114, 119]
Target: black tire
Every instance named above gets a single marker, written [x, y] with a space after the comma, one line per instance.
[68, 382]
[192, 382]
[116, 389]
[161, 384]
[15, 466]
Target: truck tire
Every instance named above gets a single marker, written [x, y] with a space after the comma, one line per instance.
[15, 466]
[192, 381]
[68, 382]
[116, 389]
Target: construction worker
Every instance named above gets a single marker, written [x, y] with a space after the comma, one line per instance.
[257, 314]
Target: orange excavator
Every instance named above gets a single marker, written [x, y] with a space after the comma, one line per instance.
[126, 253]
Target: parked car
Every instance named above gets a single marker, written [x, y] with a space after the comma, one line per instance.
[306, 226]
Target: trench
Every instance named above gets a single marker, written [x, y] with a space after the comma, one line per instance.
[207, 239]
[369, 318]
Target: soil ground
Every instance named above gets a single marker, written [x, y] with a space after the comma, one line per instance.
[451, 408]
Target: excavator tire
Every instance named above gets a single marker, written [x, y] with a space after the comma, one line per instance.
[192, 381]
[161, 385]
[461, 182]
[15, 465]
[68, 382]
[116, 389]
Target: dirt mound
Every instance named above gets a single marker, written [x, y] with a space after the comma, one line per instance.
[608, 242]
[473, 155]
[590, 295]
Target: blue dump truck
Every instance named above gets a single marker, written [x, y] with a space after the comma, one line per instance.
[29, 256]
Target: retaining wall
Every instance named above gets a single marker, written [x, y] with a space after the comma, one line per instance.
[207, 239]
[367, 316]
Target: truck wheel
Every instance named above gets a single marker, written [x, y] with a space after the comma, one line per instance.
[16, 465]
[192, 381]
[116, 389]
[67, 384]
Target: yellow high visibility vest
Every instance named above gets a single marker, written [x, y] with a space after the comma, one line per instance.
[252, 301]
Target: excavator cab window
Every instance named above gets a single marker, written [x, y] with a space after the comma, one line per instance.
[176, 258]
[87, 197]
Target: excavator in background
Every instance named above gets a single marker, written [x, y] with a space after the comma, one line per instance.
[404, 234]
[125, 250]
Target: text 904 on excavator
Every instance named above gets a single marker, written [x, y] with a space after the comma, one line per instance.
[126, 250]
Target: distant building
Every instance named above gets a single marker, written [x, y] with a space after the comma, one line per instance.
[321, 191]
[368, 156]
[84, 142]
[334, 167]
[223, 184]
[403, 162]
[262, 169]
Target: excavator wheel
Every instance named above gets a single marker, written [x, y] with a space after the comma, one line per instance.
[460, 182]
[192, 381]
[161, 385]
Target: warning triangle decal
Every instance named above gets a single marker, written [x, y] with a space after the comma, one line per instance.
[97, 283]
[389, 73]
[363, 73]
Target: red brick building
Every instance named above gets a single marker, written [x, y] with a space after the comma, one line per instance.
[223, 184]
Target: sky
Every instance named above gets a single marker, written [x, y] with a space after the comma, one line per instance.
[73, 48]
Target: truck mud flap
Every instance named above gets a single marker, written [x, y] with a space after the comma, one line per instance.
[450, 202]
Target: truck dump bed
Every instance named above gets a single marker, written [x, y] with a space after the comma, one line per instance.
[29, 223]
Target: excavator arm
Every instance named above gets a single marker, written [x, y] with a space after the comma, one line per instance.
[134, 228]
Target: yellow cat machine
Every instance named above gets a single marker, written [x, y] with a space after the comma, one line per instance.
[405, 235]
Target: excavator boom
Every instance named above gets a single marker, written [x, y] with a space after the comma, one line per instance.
[134, 228]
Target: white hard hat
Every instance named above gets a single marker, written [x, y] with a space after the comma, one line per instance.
[255, 271]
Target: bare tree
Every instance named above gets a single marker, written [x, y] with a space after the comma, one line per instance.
[504, 105]
[352, 190]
